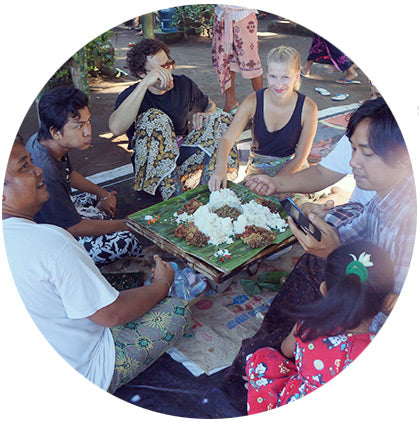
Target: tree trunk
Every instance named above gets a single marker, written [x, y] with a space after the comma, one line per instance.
[147, 22]
[79, 71]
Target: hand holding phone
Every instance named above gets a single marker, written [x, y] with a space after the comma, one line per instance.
[300, 219]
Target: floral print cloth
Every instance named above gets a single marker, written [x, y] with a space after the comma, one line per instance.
[141, 342]
[245, 54]
[322, 51]
[275, 381]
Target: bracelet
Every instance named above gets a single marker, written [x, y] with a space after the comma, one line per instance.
[106, 197]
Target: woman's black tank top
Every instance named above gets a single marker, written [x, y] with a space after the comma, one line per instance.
[282, 142]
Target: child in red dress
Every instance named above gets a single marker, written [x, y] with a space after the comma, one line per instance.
[332, 333]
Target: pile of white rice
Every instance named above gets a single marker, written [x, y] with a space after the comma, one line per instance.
[222, 230]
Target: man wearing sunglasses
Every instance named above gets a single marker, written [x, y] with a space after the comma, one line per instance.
[155, 112]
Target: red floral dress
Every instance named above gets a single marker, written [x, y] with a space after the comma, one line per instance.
[274, 380]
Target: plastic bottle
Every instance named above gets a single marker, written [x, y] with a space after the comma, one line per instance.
[187, 284]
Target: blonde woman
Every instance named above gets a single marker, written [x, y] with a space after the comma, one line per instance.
[284, 123]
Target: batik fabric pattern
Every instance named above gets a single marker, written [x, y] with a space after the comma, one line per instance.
[271, 165]
[140, 343]
[265, 164]
[157, 152]
[106, 248]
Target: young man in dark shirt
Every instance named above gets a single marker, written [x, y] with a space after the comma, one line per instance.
[155, 112]
[65, 126]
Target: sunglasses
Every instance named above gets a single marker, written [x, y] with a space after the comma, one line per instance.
[170, 64]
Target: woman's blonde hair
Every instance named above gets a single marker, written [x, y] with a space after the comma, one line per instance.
[290, 55]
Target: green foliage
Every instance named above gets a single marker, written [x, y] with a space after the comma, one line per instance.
[100, 55]
[195, 19]
[95, 59]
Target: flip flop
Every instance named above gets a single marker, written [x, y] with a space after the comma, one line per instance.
[322, 91]
[347, 81]
[340, 97]
[304, 75]
[233, 111]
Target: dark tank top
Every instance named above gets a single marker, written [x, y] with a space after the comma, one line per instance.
[282, 142]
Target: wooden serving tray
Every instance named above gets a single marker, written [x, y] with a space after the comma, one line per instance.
[202, 259]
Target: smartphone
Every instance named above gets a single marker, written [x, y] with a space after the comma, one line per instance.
[299, 218]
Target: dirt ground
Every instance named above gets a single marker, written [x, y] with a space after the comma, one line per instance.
[193, 58]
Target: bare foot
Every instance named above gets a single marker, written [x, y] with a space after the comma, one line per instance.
[351, 74]
[305, 70]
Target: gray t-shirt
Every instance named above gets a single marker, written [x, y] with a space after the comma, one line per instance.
[59, 209]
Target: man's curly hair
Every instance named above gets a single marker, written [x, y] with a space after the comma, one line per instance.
[139, 52]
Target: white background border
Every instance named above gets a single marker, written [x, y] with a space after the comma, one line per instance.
[37, 37]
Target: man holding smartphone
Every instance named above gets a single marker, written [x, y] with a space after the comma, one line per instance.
[300, 219]
[380, 163]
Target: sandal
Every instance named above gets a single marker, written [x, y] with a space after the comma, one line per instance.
[347, 81]
[340, 97]
[233, 111]
[322, 91]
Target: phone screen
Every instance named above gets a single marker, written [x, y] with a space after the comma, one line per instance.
[300, 219]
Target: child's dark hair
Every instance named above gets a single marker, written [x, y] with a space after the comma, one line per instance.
[138, 54]
[348, 301]
[57, 105]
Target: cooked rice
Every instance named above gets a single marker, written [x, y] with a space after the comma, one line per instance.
[223, 230]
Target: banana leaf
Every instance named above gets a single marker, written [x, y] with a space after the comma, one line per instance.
[269, 280]
[165, 225]
[274, 277]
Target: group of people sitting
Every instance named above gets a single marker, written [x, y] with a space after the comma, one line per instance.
[333, 302]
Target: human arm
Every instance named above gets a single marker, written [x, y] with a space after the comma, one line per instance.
[107, 200]
[95, 227]
[330, 239]
[133, 303]
[305, 142]
[124, 116]
[198, 119]
[244, 113]
[308, 180]
[288, 344]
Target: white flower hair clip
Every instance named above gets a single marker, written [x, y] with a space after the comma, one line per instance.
[359, 266]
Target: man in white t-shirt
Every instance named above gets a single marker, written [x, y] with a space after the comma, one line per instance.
[329, 171]
[72, 304]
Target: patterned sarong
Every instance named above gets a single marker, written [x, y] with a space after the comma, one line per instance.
[159, 162]
[322, 51]
[106, 248]
[245, 56]
[271, 165]
[141, 342]
[264, 164]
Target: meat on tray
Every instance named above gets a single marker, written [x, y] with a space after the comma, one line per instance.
[190, 207]
[192, 235]
[257, 236]
[273, 207]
